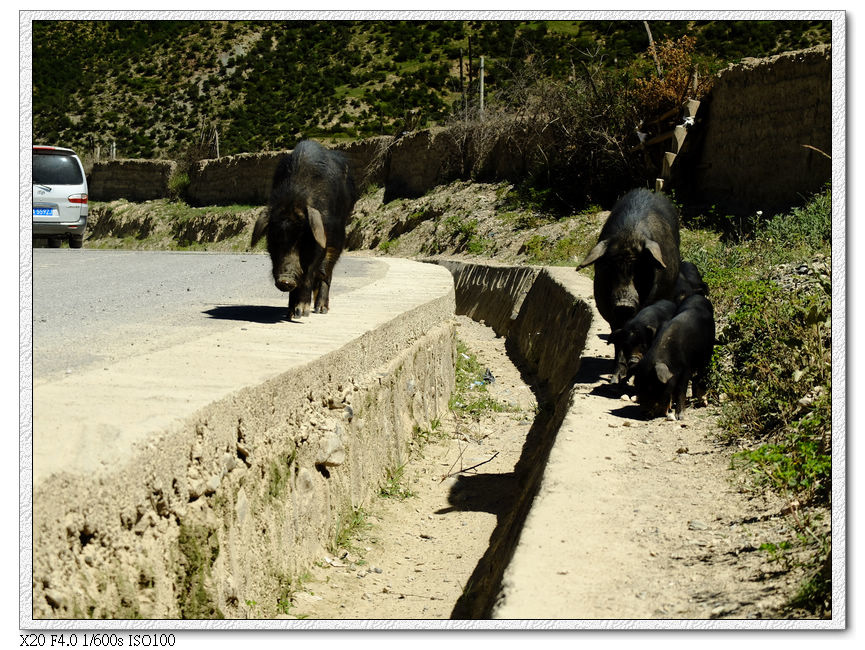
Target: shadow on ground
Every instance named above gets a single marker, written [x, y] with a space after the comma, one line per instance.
[249, 313]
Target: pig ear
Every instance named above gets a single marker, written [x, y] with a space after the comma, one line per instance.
[260, 227]
[595, 254]
[653, 247]
[317, 225]
[663, 372]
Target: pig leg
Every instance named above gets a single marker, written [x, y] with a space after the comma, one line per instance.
[322, 300]
[680, 395]
[620, 369]
[303, 300]
[700, 385]
[293, 312]
[298, 301]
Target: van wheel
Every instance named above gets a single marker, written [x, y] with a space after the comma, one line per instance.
[76, 242]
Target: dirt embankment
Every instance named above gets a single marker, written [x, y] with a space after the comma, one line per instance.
[475, 220]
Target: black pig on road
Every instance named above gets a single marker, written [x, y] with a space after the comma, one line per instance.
[637, 335]
[682, 350]
[636, 260]
[689, 282]
[312, 197]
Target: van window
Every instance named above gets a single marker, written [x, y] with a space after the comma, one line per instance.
[56, 170]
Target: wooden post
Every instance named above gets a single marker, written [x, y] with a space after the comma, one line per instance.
[667, 170]
[679, 134]
[691, 107]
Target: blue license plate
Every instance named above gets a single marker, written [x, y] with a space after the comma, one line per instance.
[43, 212]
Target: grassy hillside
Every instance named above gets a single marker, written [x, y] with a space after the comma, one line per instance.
[160, 88]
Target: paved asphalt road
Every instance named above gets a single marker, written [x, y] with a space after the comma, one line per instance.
[96, 306]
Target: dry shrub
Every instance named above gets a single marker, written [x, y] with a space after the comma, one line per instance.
[681, 78]
[568, 139]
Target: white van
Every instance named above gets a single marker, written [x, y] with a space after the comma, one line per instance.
[59, 196]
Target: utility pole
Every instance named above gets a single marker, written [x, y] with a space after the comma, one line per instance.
[470, 61]
[462, 84]
[482, 88]
[652, 49]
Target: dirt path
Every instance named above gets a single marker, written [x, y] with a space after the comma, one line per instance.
[671, 536]
[656, 526]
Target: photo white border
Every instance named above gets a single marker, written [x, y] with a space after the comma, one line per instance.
[839, 285]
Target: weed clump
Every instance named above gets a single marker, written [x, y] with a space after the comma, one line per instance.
[470, 397]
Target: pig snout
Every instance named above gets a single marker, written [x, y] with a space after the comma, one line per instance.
[285, 283]
[287, 274]
[625, 297]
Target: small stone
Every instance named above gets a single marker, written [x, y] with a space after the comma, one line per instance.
[726, 608]
[696, 524]
[213, 484]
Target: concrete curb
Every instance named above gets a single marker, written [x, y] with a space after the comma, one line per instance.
[214, 486]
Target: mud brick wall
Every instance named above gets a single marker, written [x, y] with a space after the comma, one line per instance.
[135, 180]
[759, 118]
[245, 179]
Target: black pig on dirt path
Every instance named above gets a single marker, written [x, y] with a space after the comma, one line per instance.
[312, 197]
[637, 335]
[636, 261]
[681, 351]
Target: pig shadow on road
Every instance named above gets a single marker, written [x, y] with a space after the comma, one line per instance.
[492, 493]
[249, 313]
[629, 412]
[592, 369]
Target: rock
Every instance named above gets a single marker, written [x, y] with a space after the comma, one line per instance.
[241, 506]
[213, 484]
[725, 608]
[332, 452]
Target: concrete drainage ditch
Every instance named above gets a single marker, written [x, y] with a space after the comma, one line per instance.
[545, 325]
[225, 505]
